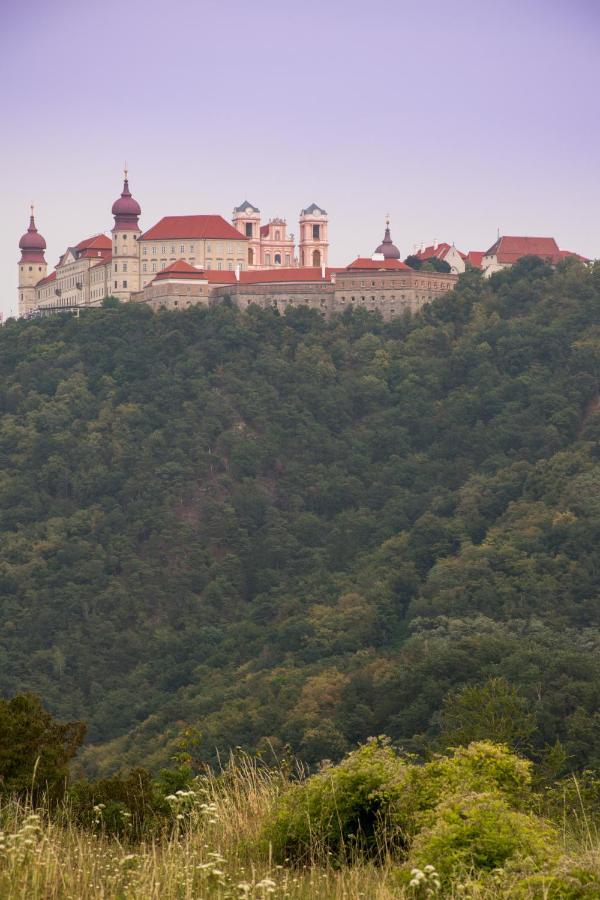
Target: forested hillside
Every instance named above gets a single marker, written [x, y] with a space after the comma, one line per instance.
[290, 531]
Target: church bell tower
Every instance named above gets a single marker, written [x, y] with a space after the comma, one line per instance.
[125, 275]
[32, 267]
[313, 244]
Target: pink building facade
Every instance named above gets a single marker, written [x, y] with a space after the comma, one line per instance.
[271, 246]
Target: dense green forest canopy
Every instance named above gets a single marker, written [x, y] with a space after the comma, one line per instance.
[281, 530]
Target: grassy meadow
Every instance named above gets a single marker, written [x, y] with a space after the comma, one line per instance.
[214, 847]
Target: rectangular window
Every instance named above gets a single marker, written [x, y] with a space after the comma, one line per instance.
[116, 267]
[191, 248]
[124, 267]
[144, 267]
[154, 265]
[115, 284]
[172, 248]
[163, 265]
[145, 250]
[229, 248]
[182, 248]
[248, 229]
[154, 250]
[124, 284]
[316, 232]
[219, 264]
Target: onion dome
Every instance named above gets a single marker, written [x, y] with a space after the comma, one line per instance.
[387, 249]
[32, 244]
[126, 210]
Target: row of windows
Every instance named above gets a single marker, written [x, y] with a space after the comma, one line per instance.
[208, 265]
[277, 259]
[208, 248]
[164, 249]
[390, 284]
[372, 298]
[70, 282]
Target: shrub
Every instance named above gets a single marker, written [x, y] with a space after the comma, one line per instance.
[345, 810]
[577, 884]
[481, 832]
[375, 801]
[127, 806]
[480, 767]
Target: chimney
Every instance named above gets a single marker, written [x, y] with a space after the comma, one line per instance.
[323, 272]
[237, 272]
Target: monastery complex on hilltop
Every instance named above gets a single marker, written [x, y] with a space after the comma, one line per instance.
[189, 260]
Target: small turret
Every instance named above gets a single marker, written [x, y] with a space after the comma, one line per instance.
[387, 249]
[126, 210]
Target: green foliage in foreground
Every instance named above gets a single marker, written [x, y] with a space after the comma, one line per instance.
[467, 824]
[35, 749]
[285, 531]
[375, 802]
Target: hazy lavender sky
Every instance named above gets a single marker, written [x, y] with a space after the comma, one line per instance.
[457, 118]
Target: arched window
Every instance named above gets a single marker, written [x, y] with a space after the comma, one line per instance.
[250, 256]
[277, 237]
[316, 258]
[278, 259]
[267, 259]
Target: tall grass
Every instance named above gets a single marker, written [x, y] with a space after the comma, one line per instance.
[211, 850]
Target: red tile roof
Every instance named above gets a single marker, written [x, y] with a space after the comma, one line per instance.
[192, 227]
[508, 249]
[47, 279]
[97, 242]
[364, 262]
[219, 276]
[566, 253]
[180, 270]
[283, 276]
[439, 251]
[474, 258]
